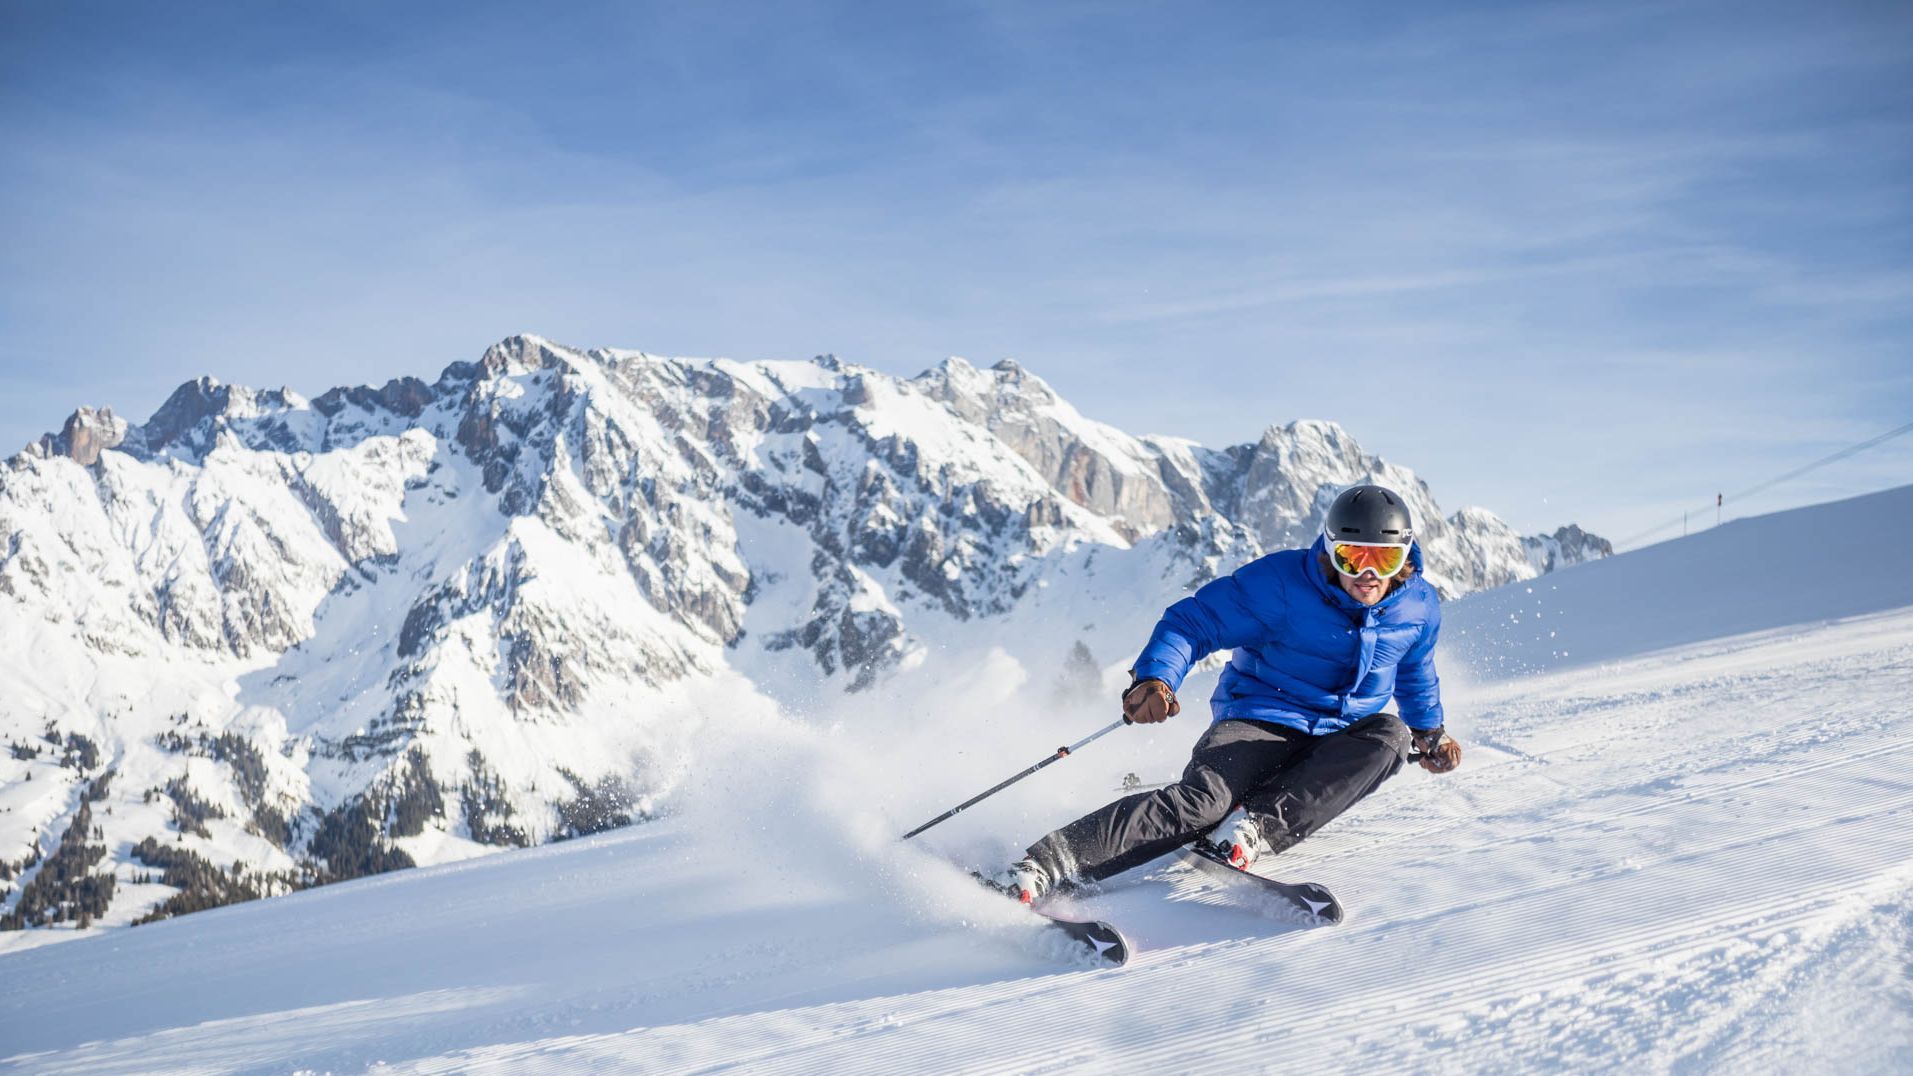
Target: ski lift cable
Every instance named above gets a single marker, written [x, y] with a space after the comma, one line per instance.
[1850, 450]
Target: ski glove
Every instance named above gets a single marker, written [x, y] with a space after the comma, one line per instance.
[1439, 751]
[1149, 701]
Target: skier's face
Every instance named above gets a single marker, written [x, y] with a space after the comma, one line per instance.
[1367, 588]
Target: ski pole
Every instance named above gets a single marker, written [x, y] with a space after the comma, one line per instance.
[1061, 752]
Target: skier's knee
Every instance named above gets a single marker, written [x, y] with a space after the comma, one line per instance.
[1200, 799]
[1385, 730]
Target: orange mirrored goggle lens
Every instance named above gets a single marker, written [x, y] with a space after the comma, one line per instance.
[1383, 560]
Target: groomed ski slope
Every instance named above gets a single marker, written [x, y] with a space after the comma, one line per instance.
[1692, 858]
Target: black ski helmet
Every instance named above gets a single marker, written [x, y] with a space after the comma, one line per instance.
[1374, 514]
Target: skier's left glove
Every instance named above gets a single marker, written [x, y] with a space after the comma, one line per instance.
[1439, 751]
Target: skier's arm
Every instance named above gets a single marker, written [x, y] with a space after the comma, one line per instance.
[1418, 695]
[1417, 687]
[1219, 616]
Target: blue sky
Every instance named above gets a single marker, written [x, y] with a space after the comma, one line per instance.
[1570, 262]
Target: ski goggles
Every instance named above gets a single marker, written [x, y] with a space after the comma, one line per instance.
[1354, 558]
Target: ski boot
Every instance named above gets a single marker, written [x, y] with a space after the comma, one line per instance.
[1239, 840]
[1025, 880]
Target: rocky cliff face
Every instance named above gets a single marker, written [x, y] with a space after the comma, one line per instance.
[318, 638]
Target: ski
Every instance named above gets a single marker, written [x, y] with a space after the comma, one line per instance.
[1102, 943]
[1094, 939]
[1311, 900]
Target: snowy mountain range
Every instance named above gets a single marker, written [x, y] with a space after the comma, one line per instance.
[262, 642]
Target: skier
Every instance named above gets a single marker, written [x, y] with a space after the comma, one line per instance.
[1322, 637]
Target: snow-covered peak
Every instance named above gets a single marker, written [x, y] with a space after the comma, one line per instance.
[527, 354]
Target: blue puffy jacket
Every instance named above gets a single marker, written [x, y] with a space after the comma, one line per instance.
[1307, 655]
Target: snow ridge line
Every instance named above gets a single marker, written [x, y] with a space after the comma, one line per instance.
[1579, 879]
[849, 1020]
[1649, 806]
[1742, 1052]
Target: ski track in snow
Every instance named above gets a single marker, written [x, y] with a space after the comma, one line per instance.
[1697, 860]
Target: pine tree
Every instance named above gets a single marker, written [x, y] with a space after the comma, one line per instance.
[1080, 680]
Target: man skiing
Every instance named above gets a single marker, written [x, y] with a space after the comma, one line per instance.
[1323, 637]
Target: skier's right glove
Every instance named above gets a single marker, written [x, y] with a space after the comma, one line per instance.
[1149, 701]
[1439, 751]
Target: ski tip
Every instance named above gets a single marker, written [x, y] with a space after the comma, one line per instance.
[1098, 943]
[1331, 913]
[1109, 946]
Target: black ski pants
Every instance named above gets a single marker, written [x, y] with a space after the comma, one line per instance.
[1290, 781]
